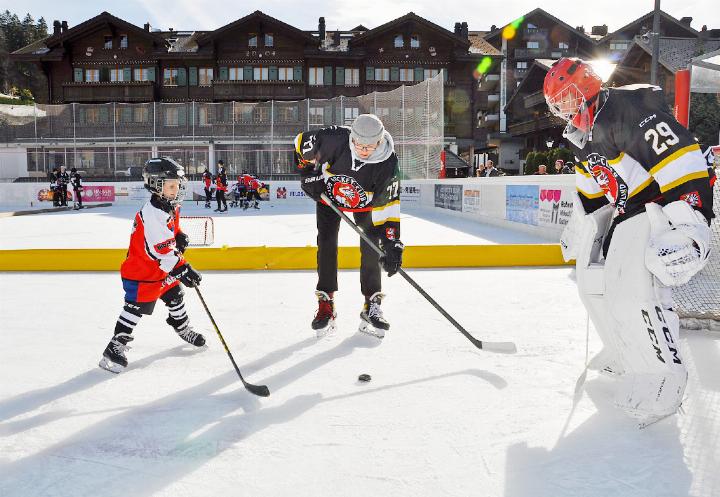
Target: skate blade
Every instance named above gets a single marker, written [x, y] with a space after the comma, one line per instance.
[108, 365]
[329, 330]
[369, 329]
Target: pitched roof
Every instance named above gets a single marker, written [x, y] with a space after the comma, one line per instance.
[675, 53]
[541, 12]
[664, 16]
[478, 45]
[102, 18]
[211, 35]
[410, 16]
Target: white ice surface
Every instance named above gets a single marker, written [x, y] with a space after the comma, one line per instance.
[438, 419]
[279, 225]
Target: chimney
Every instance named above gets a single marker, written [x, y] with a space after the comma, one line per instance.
[464, 30]
[458, 28]
[336, 38]
[147, 26]
[686, 21]
[321, 28]
[493, 28]
[56, 28]
[64, 26]
[580, 28]
[600, 30]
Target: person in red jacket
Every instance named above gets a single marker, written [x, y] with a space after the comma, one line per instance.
[252, 193]
[207, 182]
[155, 265]
[221, 186]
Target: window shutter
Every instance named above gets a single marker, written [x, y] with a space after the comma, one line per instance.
[297, 73]
[327, 76]
[193, 73]
[419, 74]
[126, 114]
[273, 73]
[104, 115]
[227, 111]
[182, 76]
[182, 112]
[81, 115]
[78, 75]
[151, 74]
[223, 73]
[369, 74]
[127, 74]
[394, 74]
[105, 74]
[445, 75]
[340, 76]
[248, 73]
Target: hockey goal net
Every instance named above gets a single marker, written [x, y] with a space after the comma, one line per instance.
[698, 302]
[200, 229]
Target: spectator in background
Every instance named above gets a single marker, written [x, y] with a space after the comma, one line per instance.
[569, 168]
[542, 169]
[561, 168]
[480, 170]
[490, 170]
[76, 181]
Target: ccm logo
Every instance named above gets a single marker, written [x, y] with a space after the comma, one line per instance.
[647, 120]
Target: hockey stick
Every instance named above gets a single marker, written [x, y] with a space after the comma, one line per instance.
[501, 347]
[259, 390]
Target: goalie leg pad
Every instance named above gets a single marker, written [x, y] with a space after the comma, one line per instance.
[644, 327]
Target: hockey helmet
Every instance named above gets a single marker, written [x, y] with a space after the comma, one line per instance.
[571, 88]
[159, 169]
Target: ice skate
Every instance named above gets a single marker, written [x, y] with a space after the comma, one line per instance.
[324, 321]
[114, 359]
[372, 321]
[186, 332]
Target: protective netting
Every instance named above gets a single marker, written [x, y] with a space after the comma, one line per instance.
[700, 298]
[107, 139]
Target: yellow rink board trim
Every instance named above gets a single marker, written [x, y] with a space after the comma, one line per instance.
[287, 258]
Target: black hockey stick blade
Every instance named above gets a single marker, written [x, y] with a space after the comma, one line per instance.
[259, 390]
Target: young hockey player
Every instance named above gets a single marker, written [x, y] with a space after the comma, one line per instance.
[155, 266]
[642, 212]
[207, 183]
[357, 168]
[221, 186]
[237, 189]
[76, 181]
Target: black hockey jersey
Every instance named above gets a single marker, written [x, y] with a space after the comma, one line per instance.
[638, 153]
[355, 184]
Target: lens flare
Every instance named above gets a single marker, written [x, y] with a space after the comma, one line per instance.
[511, 29]
[483, 66]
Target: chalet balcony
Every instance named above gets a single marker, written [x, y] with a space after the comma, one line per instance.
[533, 99]
[258, 90]
[546, 121]
[122, 91]
[541, 53]
[534, 33]
[489, 82]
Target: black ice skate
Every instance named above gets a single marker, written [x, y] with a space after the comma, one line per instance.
[114, 359]
[372, 321]
[207, 205]
[257, 205]
[324, 322]
[186, 332]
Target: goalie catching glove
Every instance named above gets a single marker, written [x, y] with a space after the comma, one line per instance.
[679, 245]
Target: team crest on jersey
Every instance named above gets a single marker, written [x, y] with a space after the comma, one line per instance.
[609, 180]
[692, 198]
[346, 191]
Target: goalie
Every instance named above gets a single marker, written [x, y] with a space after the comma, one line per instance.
[640, 227]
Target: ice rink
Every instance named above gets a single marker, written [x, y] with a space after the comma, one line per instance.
[439, 418]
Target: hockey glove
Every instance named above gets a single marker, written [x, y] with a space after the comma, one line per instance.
[679, 245]
[181, 242]
[392, 260]
[186, 275]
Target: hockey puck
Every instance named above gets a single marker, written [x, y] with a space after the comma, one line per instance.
[364, 377]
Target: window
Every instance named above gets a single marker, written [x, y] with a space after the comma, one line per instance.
[252, 40]
[522, 65]
[123, 41]
[92, 115]
[415, 41]
[431, 73]
[269, 40]
[170, 77]
[618, 46]
[108, 42]
[171, 116]
[260, 73]
[203, 115]
[382, 74]
[383, 112]
[315, 75]
[285, 73]
[117, 74]
[92, 75]
[563, 45]
[406, 74]
[533, 44]
[317, 115]
[350, 114]
[141, 74]
[261, 114]
[205, 76]
[352, 77]
[399, 41]
[286, 114]
[141, 114]
[236, 74]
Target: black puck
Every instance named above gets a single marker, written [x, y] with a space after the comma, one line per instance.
[364, 377]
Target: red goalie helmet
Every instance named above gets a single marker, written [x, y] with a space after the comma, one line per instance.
[571, 87]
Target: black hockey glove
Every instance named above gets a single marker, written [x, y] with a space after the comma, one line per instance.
[313, 185]
[181, 242]
[392, 260]
[186, 275]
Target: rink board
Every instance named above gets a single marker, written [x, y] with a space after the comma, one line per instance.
[288, 258]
